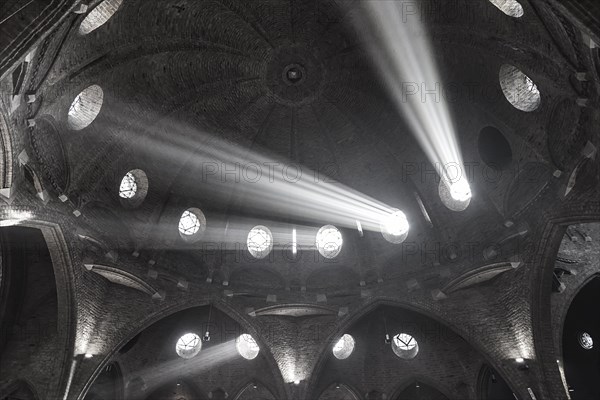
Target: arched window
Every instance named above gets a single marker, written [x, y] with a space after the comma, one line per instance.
[519, 89]
[99, 15]
[85, 107]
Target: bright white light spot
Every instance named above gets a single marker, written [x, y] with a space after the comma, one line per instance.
[394, 227]
[188, 345]
[460, 190]
[188, 223]
[85, 108]
[405, 346]
[520, 360]
[192, 224]
[260, 241]
[128, 187]
[329, 241]
[586, 341]
[296, 382]
[88, 355]
[294, 243]
[344, 347]
[247, 346]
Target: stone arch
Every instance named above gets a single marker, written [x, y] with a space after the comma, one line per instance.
[6, 155]
[372, 306]
[580, 364]
[254, 390]
[488, 377]
[550, 235]
[63, 282]
[151, 319]
[333, 391]
[20, 389]
[421, 381]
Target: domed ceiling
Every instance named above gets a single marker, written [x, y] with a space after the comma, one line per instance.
[290, 83]
[142, 125]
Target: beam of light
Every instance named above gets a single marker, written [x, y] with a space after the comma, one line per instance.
[399, 46]
[294, 242]
[168, 371]
[263, 184]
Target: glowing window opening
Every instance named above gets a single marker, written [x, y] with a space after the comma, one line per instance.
[405, 346]
[188, 345]
[512, 8]
[519, 89]
[344, 347]
[247, 346]
[128, 187]
[329, 241]
[85, 107]
[586, 341]
[394, 227]
[260, 241]
[99, 16]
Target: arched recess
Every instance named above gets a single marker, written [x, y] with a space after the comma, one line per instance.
[254, 390]
[177, 389]
[339, 391]
[551, 232]
[108, 385]
[581, 343]
[369, 325]
[418, 390]
[20, 390]
[35, 305]
[149, 358]
[491, 386]
[6, 155]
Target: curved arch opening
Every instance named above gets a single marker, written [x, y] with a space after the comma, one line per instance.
[581, 357]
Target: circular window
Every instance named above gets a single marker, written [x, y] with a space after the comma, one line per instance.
[512, 8]
[456, 196]
[344, 347]
[99, 15]
[405, 346]
[192, 224]
[394, 227]
[85, 108]
[260, 241]
[329, 241]
[494, 149]
[519, 89]
[247, 346]
[586, 341]
[188, 345]
[133, 188]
